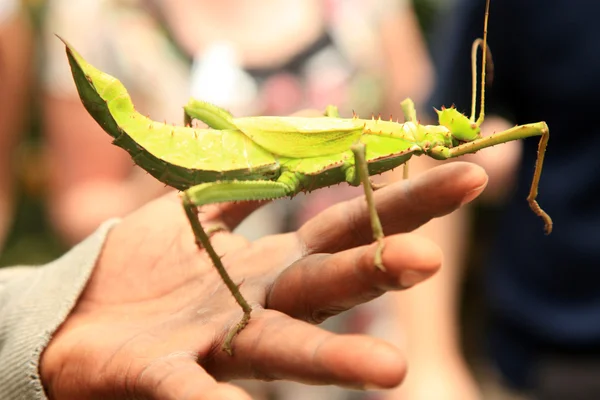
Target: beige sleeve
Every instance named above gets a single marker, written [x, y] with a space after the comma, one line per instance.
[34, 301]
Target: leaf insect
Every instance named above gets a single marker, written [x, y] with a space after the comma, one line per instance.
[266, 157]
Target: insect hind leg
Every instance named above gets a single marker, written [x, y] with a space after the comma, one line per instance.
[216, 192]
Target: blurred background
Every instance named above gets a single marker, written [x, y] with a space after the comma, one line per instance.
[60, 177]
[47, 149]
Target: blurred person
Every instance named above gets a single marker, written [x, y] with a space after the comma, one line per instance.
[542, 292]
[16, 73]
[269, 57]
[127, 314]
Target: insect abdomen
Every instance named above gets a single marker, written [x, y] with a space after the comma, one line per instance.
[177, 156]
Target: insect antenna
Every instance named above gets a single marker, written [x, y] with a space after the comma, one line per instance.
[484, 48]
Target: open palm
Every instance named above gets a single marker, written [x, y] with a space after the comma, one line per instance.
[151, 321]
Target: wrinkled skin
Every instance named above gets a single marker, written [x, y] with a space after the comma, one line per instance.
[151, 321]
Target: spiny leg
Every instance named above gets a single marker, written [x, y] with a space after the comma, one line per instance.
[518, 132]
[203, 241]
[216, 192]
[362, 170]
[533, 191]
[410, 114]
[331, 111]
[213, 116]
[409, 111]
[405, 170]
[218, 227]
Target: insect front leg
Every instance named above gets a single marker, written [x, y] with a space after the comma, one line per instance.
[361, 175]
[216, 192]
[213, 116]
[518, 132]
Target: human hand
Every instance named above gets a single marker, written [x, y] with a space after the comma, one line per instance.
[151, 321]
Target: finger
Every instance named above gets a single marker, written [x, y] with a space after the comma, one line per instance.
[322, 285]
[402, 207]
[180, 377]
[274, 346]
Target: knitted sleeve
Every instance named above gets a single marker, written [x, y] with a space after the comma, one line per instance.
[34, 302]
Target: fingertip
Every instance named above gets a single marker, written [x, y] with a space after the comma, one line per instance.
[459, 179]
[468, 176]
[475, 179]
[391, 360]
[371, 363]
[408, 259]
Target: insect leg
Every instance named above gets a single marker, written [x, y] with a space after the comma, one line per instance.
[362, 172]
[331, 111]
[518, 132]
[410, 115]
[409, 111]
[213, 116]
[215, 192]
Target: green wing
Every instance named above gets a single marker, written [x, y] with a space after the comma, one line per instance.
[300, 137]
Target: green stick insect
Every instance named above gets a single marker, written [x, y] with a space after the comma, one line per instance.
[263, 158]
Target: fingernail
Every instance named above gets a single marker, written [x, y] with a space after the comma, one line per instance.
[411, 278]
[471, 195]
